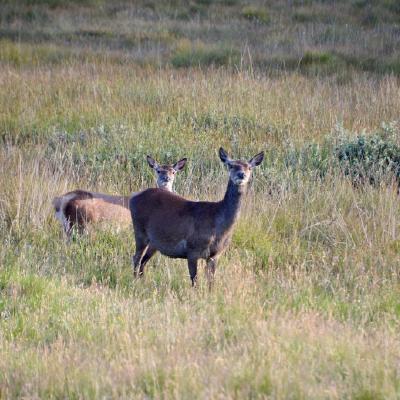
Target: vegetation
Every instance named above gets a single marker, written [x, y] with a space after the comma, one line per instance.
[256, 14]
[320, 37]
[197, 55]
[369, 159]
[306, 299]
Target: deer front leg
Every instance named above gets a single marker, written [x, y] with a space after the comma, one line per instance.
[192, 264]
[210, 271]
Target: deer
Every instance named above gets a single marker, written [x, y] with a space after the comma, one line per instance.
[191, 230]
[78, 208]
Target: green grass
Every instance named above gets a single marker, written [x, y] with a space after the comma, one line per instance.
[306, 298]
[310, 276]
[245, 36]
[25, 55]
[200, 55]
[256, 14]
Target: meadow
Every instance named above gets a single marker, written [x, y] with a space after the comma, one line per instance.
[306, 301]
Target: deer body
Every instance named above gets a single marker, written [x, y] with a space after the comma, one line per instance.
[192, 230]
[189, 228]
[80, 207]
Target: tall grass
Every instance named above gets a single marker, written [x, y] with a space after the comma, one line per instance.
[306, 298]
[350, 36]
[311, 277]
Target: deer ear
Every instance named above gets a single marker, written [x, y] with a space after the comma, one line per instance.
[152, 162]
[180, 164]
[256, 160]
[223, 155]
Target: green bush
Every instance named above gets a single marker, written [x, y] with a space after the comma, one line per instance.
[365, 159]
[256, 14]
[368, 159]
[198, 54]
[22, 54]
[322, 63]
[316, 58]
[303, 17]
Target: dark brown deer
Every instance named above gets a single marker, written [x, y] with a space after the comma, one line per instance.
[80, 207]
[192, 230]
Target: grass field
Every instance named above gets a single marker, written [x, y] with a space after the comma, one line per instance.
[306, 302]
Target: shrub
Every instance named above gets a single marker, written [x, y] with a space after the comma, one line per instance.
[198, 54]
[256, 14]
[365, 159]
[320, 62]
[20, 54]
[316, 58]
[303, 17]
[369, 159]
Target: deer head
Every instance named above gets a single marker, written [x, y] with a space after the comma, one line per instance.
[166, 173]
[240, 171]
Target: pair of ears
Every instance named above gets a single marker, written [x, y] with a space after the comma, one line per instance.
[253, 162]
[177, 166]
[223, 155]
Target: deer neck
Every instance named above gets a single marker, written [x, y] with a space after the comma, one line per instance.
[167, 187]
[230, 207]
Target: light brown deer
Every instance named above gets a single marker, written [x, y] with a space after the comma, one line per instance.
[78, 208]
[191, 230]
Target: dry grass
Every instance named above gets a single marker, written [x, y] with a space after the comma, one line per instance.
[81, 97]
[266, 36]
[306, 301]
[311, 277]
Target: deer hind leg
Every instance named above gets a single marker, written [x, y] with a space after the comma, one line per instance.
[68, 227]
[66, 224]
[147, 255]
[210, 271]
[141, 247]
[192, 264]
[74, 219]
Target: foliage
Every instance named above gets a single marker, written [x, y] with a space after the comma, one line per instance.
[364, 159]
[206, 33]
[369, 159]
[199, 54]
[256, 14]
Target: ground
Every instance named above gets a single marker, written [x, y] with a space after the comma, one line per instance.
[306, 298]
